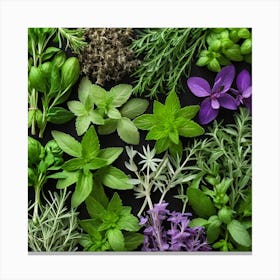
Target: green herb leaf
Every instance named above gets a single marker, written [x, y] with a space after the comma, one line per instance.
[77, 108]
[145, 122]
[134, 107]
[96, 118]
[190, 129]
[95, 163]
[129, 223]
[200, 203]
[116, 239]
[109, 127]
[128, 131]
[213, 229]
[70, 179]
[115, 204]
[82, 123]
[239, 233]
[67, 143]
[110, 154]
[73, 164]
[198, 222]
[114, 113]
[90, 144]
[172, 102]
[59, 115]
[188, 112]
[162, 145]
[99, 95]
[133, 240]
[85, 90]
[94, 208]
[120, 94]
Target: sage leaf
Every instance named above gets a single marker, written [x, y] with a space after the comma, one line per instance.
[120, 94]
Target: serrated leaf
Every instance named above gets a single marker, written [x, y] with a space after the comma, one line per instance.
[77, 108]
[128, 223]
[90, 226]
[190, 129]
[200, 203]
[85, 90]
[82, 190]
[174, 136]
[72, 178]
[145, 122]
[133, 240]
[114, 113]
[82, 123]
[157, 132]
[73, 164]
[98, 192]
[158, 108]
[115, 204]
[59, 115]
[116, 239]
[127, 131]
[67, 143]
[162, 145]
[110, 154]
[120, 94]
[96, 118]
[95, 163]
[134, 107]
[109, 127]
[90, 144]
[239, 233]
[172, 102]
[188, 112]
[94, 208]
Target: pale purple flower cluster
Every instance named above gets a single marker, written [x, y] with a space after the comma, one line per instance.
[170, 231]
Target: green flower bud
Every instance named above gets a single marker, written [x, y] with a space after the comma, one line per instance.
[214, 65]
[37, 79]
[233, 53]
[224, 34]
[212, 37]
[226, 43]
[244, 33]
[34, 151]
[233, 36]
[59, 59]
[246, 47]
[215, 45]
[70, 72]
[202, 61]
[225, 215]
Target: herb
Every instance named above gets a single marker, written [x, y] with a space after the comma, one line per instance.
[216, 97]
[113, 111]
[244, 89]
[88, 157]
[170, 231]
[107, 57]
[168, 122]
[226, 45]
[168, 54]
[41, 160]
[112, 227]
[56, 227]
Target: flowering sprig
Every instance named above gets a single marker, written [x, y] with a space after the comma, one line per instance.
[170, 231]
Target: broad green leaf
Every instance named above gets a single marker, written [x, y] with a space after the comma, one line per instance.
[67, 143]
[198, 222]
[162, 145]
[73, 164]
[114, 113]
[95, 163]
[200, 203]
[82, 123]
[94, 208]
[145, 122]
[120, 94]
[110, 154]
[72, 178]
[59, 115]
[115, 204]
[133, 240]
[213, 229]
[190, 129]
[90, 144]
[89, 104]
[172, 102]
[188, 112]
[99, 95]
[127, 131]
[96, 118]
[85, 90]
[116, 239]
[109, 127]
[174, 136]
[239, 233]
[157, 132]
[82, 190]
[158, 108]
[77, 108]
[55, 81]
[114, 178]
[90, 226]
[134, 107]
[128, 223]
[98, 192]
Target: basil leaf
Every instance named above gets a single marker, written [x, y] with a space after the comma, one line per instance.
[133, 240]
[82, 123]
[59, 115]
[94, 208]
[190, 129]
[116, 239]
[77, 108]
[96, 163]
[145, 122]
[82, 190]
[90, 144]
[120, 94]
[200, 203]
[239, 233]
[134, 107]
[67, 143]
[110, 154]
[109, 127]
[128, 131]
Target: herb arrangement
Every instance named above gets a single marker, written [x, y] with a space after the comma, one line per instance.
[139, 139]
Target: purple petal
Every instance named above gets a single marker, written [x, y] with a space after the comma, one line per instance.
[247, 92]
[199, 87]
[227, 101]
[243, 80]
[215, 103]
[224, 79]
[207, 113]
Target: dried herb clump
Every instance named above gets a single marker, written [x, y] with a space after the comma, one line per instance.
[108, 57]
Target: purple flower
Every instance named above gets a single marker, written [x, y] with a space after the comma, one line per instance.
[244, 89]
[169, 231]
[216, 97]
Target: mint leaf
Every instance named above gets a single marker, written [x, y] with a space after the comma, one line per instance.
[190, 129]
[85, 90]
[109, 127]
[82, 123]
[82, 190]
[128, 131]
[133, 240]
[90, 226]
[115, 204]
[95, 163]
[129, 223]
[200, 203]
[114, 113]
[158, 108]
[120, 94]
[116, 239]
[67, 143]
[99, 194]
[59, 115]
[174, 136]
[239, 233]
[198, 222]
[110, 154]
[162, 145]
[99, 95]
[73, 164]
[94, 208]
[96, 118]
[157, 132]
[145, 122]
[77, 108]
[70, 179]
[172, 102]
[90, 144]
[134, 107]
[188, 112]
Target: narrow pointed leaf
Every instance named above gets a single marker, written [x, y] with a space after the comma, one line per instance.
[90, 144]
